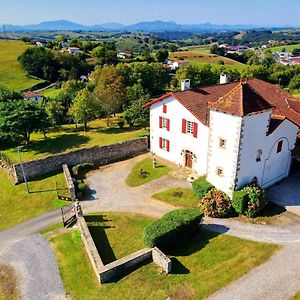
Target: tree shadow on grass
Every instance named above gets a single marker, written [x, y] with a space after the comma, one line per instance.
[114, 130]
[97, 227]
[57, 144]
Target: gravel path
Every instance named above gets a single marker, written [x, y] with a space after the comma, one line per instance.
[34, 262]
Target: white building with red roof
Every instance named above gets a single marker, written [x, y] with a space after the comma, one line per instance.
[230, 132]
[33, 96]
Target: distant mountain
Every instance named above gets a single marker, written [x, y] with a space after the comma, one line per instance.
[154, 26]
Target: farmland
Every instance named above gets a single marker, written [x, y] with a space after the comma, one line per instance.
[11, 73]
[203, 57]
[288, 48]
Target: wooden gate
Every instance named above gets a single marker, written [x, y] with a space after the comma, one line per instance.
[68, 213]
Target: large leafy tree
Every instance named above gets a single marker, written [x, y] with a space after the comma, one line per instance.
[109, 90]
[40, 62]
[84, 108]
[55, 112]
[106, 53]
[161, 55]
[7, 95]
[18, 119]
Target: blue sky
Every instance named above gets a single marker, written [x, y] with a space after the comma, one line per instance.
[89, 12]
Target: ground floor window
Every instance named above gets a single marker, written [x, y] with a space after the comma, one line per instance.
[164, 144]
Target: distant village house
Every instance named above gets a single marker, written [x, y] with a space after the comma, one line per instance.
[33, 96]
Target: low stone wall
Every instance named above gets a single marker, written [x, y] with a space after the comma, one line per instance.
[107, 273]
[162, 260]
[99, 155]
[69, 181]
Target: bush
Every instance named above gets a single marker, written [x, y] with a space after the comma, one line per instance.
[176, 225]
[82, 187]
[81, 169]
[216, 204]
[201, 187]
[249, 201]
[121, 124]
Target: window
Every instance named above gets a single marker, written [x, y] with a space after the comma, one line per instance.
[190, 127]
[220, 172]
[279, 146]
[164, 123]
[258, 155]
[222, 143]
[164, 144]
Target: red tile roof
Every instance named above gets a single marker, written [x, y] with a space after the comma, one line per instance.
[197, 101]
[31, 94]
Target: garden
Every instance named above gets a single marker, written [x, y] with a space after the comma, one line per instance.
[202, 264]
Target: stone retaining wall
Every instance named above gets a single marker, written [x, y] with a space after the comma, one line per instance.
[107, 273]
[99, 155]
[69, 181]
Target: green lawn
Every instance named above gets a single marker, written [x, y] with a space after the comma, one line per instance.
[51, 92]
[134, 178]
[178, 197]
[70, 138]
[8, 284]
[11, 73]
[288, 48]
[204, 48]
[17, 206]
[205, 264]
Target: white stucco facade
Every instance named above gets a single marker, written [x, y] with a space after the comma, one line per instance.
[231, 151]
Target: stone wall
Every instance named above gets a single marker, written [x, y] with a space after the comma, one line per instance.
[162, 260]
[69, 182]
[99, 155]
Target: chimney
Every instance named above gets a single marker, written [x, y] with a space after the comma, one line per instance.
[224, 78]
[185, 84]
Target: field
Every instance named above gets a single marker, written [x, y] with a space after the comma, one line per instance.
[51, 92]
[288, 48]
[70, 138]
[203, 48]
[202, 57]
[21, 206]
[11, 73]
[201, 266]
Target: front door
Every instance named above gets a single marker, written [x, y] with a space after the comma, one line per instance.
[189, 159]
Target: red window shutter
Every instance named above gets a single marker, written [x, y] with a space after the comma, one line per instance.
[160, 122]
[183, 126]
[165, 108]
[168, 124]
[168, 145]
[160, 143]
[195, 134]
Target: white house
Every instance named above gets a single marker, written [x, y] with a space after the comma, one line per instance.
[33, 96]
[229, 132]
[124, 54]
[73, 50]
[174, 65]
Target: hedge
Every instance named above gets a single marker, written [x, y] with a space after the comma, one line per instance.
[172, 227]
[249, 201]
[201, 187]
[81, 169]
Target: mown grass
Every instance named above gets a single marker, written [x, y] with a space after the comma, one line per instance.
[178, 197]
[201, 266]
[288, 48]
[16, 205]
[69, 138]
[203, 48]
[8, 284]
[11, 73]
[51, 92]
[202, 57]
[52, 228]
[135, 178]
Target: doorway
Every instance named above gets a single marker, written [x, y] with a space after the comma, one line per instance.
[189, 159]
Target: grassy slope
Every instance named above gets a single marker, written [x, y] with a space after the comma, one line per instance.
[171, 196]
[203, 48]
[202, 266]
[134, 178]
[8, 284]
[11, 73]
[203, 57]
[17, 206]
[288, 48]
[71, 139]
[51, 92]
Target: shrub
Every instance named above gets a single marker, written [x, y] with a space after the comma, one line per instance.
[121, 124]
[172, 227]
[201, 187]
[81, 169]
[249, 201]
[82, 187]
[216, 204]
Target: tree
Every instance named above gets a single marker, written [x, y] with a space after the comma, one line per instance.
[161, 55]
[55, 113]
[38, 61]
[84, 108]
[295, 83]
[106, 53]
[18, 119]
[109, 90]
[7, 95]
